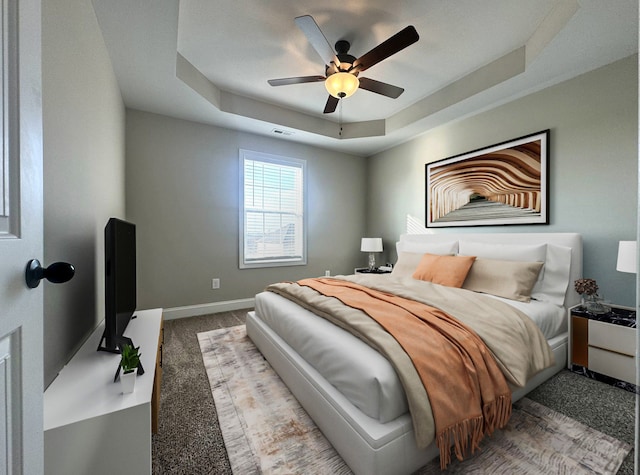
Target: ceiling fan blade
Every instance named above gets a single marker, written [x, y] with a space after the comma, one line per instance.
[317, 39]
[331, 105]
[396, 43]
[380, 88]
[296, 80]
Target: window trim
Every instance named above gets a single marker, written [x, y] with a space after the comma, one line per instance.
[280, 160]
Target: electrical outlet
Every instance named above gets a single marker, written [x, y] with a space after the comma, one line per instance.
[327, 273]
[215, 283]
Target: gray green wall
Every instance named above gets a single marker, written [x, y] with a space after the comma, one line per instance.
[83, 142]
[182, 193]
[593, 167]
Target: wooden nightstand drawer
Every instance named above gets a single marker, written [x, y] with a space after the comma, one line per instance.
[612, 364]
[612, 337]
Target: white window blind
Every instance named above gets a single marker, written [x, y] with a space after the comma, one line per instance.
[272, 222]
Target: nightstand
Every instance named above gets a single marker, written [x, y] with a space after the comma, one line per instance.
[603, 347]
[365, 270]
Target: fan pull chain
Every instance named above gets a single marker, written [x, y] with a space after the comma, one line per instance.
[340, 118]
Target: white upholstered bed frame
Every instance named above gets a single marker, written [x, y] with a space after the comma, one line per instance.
[368, 446]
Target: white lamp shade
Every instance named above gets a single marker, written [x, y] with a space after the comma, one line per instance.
[341, 84]
[371, 245]
[627, 256]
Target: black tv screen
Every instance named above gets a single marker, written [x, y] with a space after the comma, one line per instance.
[120, 280]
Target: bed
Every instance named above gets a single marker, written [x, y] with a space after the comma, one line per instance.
[353, 393]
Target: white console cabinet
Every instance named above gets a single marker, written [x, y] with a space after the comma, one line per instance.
[90, 427]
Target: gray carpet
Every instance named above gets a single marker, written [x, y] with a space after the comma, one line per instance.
[189, 440]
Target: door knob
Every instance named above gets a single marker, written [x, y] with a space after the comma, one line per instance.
[57, 273]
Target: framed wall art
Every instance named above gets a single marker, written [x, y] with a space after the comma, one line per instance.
[506, 183]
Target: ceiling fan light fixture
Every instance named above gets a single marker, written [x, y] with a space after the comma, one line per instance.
[341, 84]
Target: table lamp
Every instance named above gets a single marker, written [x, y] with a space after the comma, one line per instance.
[627, 257]
[371, 245]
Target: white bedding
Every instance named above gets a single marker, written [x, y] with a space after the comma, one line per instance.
[326, 347]
[368, 381]
[550, 318]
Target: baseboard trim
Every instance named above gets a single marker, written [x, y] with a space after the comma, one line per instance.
[206, 308]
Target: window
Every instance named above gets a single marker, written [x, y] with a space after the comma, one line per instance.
[272, 221]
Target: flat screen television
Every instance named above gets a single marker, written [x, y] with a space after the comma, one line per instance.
[120, 282]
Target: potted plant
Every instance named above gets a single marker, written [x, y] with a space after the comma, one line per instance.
[129, 361]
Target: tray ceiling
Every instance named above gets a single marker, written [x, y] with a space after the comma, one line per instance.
[210, 61]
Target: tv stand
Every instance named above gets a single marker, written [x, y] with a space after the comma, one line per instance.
[103, 347]
[98, 429]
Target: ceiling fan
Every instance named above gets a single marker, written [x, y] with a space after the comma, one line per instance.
[342, 69]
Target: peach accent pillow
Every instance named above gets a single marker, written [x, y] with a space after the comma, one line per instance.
[444, 270]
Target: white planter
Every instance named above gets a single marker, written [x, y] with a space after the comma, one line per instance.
[128, 382]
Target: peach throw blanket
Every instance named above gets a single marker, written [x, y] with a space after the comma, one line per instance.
[469, 395]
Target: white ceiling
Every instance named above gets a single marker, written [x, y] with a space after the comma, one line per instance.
[209, 61]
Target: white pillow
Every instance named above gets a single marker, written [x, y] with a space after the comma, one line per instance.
[505, 252]
[553, 286]
[439, 248]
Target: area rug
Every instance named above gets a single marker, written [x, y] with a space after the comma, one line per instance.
[266, 431]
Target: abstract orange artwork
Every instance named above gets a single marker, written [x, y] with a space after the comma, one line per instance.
[506, 183]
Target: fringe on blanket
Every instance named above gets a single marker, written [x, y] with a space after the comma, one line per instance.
[468, 433]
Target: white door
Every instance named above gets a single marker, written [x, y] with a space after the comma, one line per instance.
[21, 366]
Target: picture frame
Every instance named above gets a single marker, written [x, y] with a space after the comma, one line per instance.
[502, 184]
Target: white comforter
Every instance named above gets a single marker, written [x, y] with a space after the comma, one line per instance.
[368, 381]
